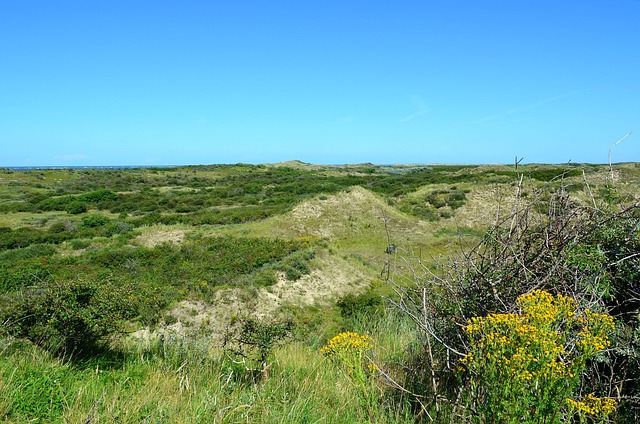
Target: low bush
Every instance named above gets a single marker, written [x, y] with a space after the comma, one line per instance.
[367, 303]
[69, 318]
[251, 342]
[76, 207]
[95, 220]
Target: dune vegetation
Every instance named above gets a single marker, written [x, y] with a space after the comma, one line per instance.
[304, 293]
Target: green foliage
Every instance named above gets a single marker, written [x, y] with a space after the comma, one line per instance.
[113, 228]
[76, 207]
[588, 259]
[422, 210]
[453, 198]
[552, 174]
[609, 194]
[95, 220]
[22, 273]
[160, 275]
[78, 244]
[70, 318]
[255, 192]
[296, 264]
[252, 341]
[263, 277]
[31, 251]
[367, 303]
[98, 196]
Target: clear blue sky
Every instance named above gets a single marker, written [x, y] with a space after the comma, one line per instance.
[142, 82]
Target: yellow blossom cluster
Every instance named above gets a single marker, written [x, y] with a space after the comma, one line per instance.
[592, 405]
[594, 335]
[347, 351]
[347, 342]
[544, 309]
[535, 349]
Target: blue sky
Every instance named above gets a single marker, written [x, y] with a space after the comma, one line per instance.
[143, 82]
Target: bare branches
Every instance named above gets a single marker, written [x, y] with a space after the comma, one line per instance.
[578, 251]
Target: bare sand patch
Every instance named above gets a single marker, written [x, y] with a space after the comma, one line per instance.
[158, 234]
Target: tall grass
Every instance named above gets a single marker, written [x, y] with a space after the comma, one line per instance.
[175, 381]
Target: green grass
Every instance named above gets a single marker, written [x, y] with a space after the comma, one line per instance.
[187, 382]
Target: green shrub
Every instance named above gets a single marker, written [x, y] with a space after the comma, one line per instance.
[76, 207]
[252, 341]
[71, 317]
[367, 303]
[24, 273]
[102, 195]
[265, 278]
[296, 265]
[95, 220]
[57, 227]
[32, 251]
[118, 228]
[77, 244]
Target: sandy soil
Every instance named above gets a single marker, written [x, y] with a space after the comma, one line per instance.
[159, 234]
[332, 278]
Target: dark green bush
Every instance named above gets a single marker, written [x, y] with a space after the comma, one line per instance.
[71, 317]
[263, 278]
[57, 227]
[77, 244]
[76, 207]
[95, 220]
[367, 303]
[24, 273]
[118, 228]
[97, 196]
[297, 265]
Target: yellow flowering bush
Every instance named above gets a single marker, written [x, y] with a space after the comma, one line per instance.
[525, 366]
[348, 352]
[593, 407]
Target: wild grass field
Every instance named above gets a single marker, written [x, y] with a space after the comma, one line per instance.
[304, 293]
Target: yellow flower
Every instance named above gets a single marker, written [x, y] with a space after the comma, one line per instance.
[594, 406]
[538, 348]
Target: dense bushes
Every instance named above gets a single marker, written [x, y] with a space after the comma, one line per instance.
[242, 193]
[94, 226]
[590, 255]
[69, 318]
[45, 302]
